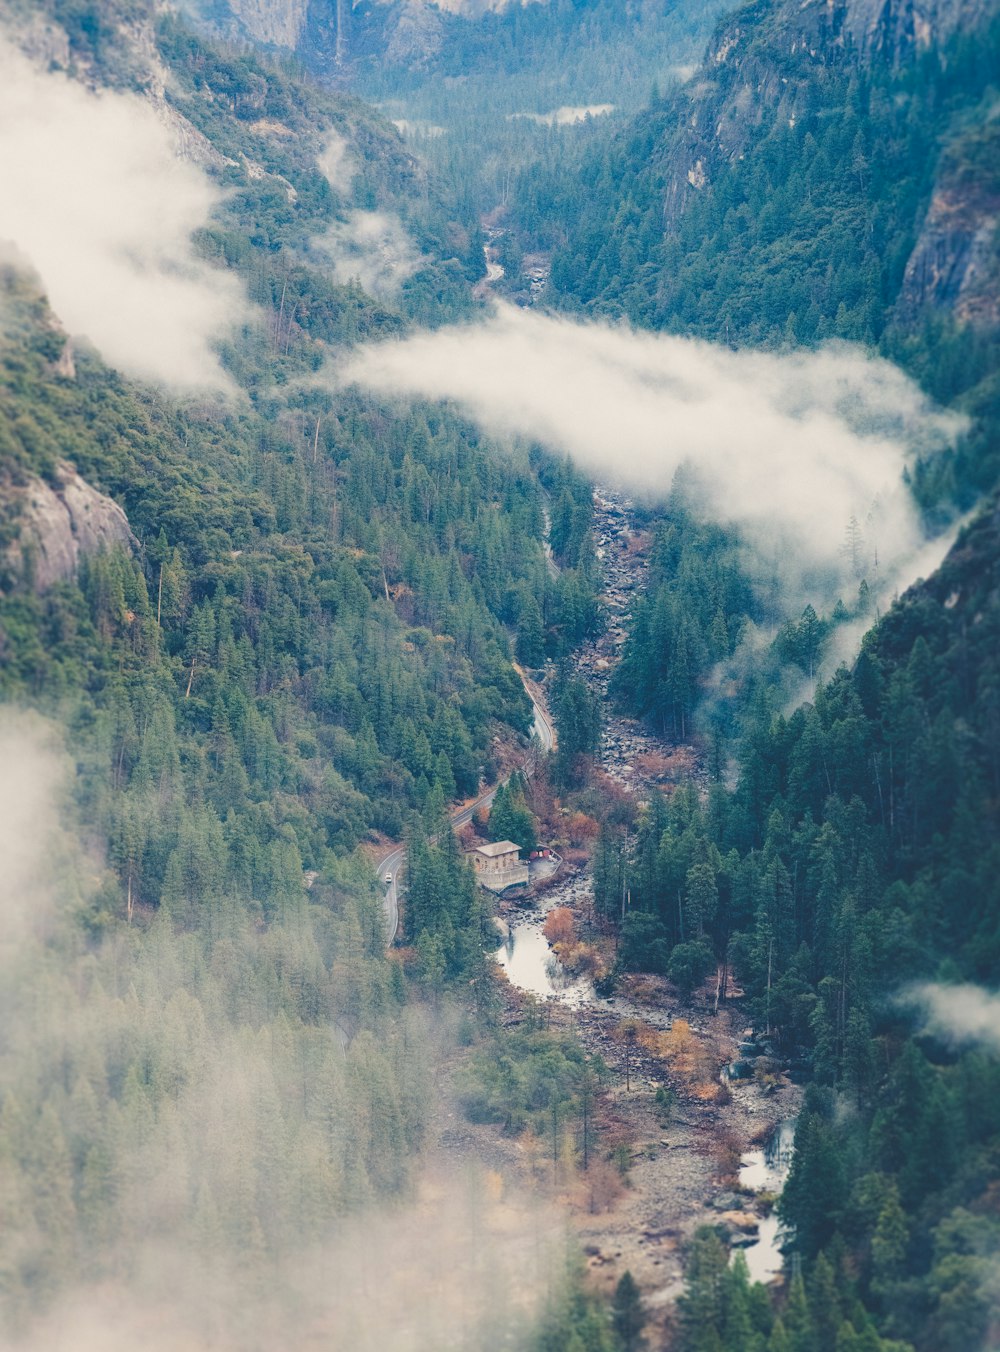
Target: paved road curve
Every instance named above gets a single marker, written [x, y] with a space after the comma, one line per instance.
[388, 869]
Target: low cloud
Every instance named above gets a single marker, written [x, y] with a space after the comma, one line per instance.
[96, 198]
[417, 128]
[962, 1015]
[568, 115]
[786, 448]
[219, 1193]
[373, 248]
[337, 164]
[32, 769]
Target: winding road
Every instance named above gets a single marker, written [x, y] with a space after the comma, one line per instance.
[389, 867]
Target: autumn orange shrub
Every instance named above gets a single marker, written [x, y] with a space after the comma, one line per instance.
[689, 1059]
[582, 958]
[580, 828]
[560, 927]
[598, 1187]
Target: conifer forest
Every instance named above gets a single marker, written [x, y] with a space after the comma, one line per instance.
[500, 675]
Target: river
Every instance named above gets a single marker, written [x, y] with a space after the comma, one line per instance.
[531, 966]
[530, 963]
[766, 1170]
[628, 755]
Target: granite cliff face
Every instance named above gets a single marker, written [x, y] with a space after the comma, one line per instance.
[895, 29]
[319, 32]
[327, 34]
[276, 23]
[956, 262]
[757, 74]
[57, 524]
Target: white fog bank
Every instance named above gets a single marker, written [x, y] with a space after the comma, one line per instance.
[372, 248]
[962, 1014]
[786, 448]
[96, 199]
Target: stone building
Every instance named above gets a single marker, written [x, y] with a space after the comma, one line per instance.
[499, 866]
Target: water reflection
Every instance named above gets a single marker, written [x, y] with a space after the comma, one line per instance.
[765, 1170]
[531, 965]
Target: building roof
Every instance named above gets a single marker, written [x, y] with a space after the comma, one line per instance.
[498, 847]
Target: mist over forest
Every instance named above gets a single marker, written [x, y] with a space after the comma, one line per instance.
[499, 698]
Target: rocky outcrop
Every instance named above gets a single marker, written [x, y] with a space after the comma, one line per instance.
[189, 143]
[57, 524]
[956, 262]
[416, 36]
[275, 23]
[896, 29]
[317, 31]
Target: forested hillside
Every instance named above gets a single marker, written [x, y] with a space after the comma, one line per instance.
[857, 859]
[817, 181]
[300, 648]
[806, 184]
[259, 626]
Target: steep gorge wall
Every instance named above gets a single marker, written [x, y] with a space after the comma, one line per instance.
[759, 72]
[326, 33]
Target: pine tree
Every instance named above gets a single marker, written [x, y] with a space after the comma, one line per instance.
[627, 1317]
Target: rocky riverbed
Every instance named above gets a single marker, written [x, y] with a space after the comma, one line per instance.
[692, 1144]
[631, 755]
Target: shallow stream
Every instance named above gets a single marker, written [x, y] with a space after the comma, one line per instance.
[765, 1170]
[530, 963]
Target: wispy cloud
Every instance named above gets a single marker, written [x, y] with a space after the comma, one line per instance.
[337, 163]
[95, 197]
[959, 1014]
[786, 447]
[256, 1127]
[568, 115]
[369, 247]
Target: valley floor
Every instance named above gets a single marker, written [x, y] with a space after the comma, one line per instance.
[679, 1159]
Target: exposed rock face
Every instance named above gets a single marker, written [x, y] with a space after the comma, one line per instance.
[954, 265]
[321, 32]
[416, 35]
[956, 262]
[276, 23]
[894, 29]
[189, 143]
[59, 524]
[318, 31]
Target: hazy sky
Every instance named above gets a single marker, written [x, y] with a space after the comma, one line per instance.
[96, 198]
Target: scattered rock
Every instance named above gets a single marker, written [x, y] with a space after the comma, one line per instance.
[741, 1220]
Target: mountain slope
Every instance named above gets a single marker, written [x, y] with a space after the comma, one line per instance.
[829, 171]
